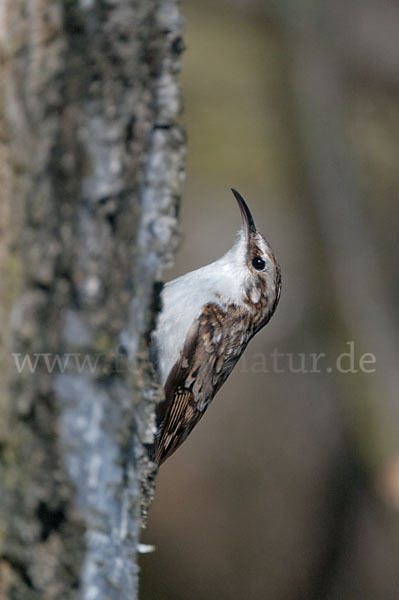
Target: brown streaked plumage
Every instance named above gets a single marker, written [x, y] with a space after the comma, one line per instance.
[230, 301]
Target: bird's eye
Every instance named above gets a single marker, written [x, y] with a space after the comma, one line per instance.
[258, 263]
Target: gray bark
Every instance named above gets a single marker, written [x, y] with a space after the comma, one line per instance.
[91, 167]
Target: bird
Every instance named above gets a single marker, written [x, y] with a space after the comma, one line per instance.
[206, 320]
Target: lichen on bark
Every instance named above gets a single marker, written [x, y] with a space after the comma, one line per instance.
[93, 164]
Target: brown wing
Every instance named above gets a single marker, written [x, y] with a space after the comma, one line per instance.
[214, 343]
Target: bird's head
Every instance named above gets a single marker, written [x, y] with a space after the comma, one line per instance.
[262, 281]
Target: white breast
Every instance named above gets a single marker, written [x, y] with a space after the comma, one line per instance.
[183, 299]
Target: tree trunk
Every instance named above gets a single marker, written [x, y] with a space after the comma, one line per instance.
[91, 163]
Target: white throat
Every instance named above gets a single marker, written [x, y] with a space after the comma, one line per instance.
[221, 282]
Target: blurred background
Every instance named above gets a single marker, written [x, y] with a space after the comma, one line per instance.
[289, 486]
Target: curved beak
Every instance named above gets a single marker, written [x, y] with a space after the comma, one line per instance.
[247, 220]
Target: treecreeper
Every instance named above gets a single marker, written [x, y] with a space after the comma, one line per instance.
[207, 318]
